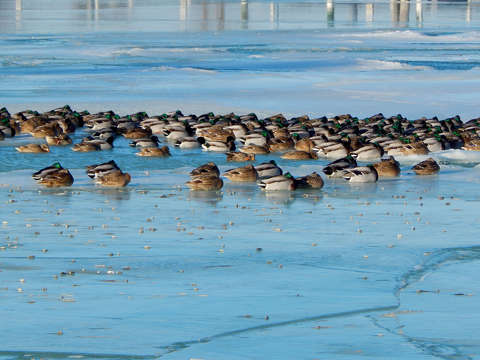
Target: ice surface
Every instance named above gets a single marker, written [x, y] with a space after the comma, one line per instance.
[385, 270]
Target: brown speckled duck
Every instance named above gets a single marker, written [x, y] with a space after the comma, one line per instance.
[33, 148]
[242, 174]
[426, 167]
[115, 178]
[205, 183]
[388, 167]
[164, 151]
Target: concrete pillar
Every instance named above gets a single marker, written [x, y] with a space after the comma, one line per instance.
[419, 12]
[220, 14]
[369, 12]
[354, 13]
[244, 13]
[330, 7]
[394, 12]
[404, 12]
[274, 14]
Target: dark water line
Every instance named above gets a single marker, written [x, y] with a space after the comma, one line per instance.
[434, 262]
[434, 348]
[185, 344]
[22, 355]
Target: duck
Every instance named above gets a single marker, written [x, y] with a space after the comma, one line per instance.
[434, 144]
[426, 167]
[332, 151]
[187, 143]
[49, 129]
[240, 157]
[299, 155]
[312, 181]
[137, 133]
[210, 169]
[99, 170]
[417, 148]
[254, 149]
[205, 182]
[388, 167]
[33, 148]
[280, 144]
[284, 182]
[304, 144]
[215, 133]
[259, 139]
[335, 168]
[164, 151]
[268, 169]
[148, 142]
[115, 178]
[85, 147]
[217, 146]
[53, 176]
[58, 140]
[471, 145]
[102, 144]
[361, 174]
[368, 152]
[241, 174]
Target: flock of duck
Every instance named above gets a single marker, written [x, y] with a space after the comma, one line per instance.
[344, 139]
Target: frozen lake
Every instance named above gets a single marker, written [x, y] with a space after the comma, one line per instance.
[382, 271]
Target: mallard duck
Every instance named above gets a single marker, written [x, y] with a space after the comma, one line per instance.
[388, 167]
[434, 144]
[99, 170]
[164, 151]
[241, 174]
[368, 152]
[335, 168]
[280, 144]
[33, 148]
[53, 176]
[277, 183]
[331, 151]
[268, 169]
[59, 140]
[361, 174]
[215, 133]
[137, 133]
[85, 147]
[239, 130]
[299, 155]
[6, 130]
[254, 149]
[418, 148]
[175, 134]
[205, 182]
[426, 167]
[217, 146]
[101, 144]
[50, 129]
[115, 178]
[305, 144]
[472, 145]
[258, 139]
[149, 142]
[187, 143]
[240, 157]
[312, 181]
[209, 169]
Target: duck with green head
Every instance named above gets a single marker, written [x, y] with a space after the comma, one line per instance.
[53, 176]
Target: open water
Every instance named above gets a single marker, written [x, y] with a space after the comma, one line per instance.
[385, 271]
